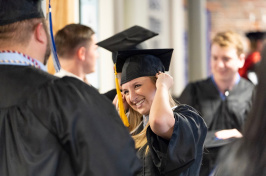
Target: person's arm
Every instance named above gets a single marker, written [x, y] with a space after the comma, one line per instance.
[161, 116]
[229, 133]
[185, 147]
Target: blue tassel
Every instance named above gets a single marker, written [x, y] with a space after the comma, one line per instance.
[54, 53]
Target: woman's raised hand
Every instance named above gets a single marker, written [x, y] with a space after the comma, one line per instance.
[164, 79]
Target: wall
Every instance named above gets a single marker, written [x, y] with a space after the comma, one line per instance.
[66, 12]
[63, 13]
[106, 30]
[116, 15]
[237, 15]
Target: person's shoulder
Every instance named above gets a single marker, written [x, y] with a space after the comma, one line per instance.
[65, 83]
[23, 83]
[193, 90]
[110, 94]
[244, 87]
[27, 78]
[245, 83]
[38, 75]
[191, 114]
[47, 86]
[199, 84]
[204, 82]
[70, 85]
[186, 109]
[71, 94]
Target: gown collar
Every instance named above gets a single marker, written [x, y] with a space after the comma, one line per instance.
[8, 57]
[63, 73]
[224, 95]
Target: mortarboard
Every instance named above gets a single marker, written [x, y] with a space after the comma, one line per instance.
[127, 39]
[138, 63]
[17, 10]
[255, 35]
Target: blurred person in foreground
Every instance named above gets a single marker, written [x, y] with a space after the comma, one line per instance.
[169, 137]
[224, 99]
[247, 156]
[77, 51]
[51, 126]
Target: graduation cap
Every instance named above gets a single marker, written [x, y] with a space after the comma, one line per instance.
[255, 35]
[139, 63]
[17, 10]
[127, 39]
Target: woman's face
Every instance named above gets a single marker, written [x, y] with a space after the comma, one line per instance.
[139, 94]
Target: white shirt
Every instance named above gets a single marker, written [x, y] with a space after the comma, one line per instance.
[63, 73]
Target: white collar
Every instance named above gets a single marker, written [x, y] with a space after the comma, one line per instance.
[63, 73]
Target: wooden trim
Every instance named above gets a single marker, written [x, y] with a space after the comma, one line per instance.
[63, 13]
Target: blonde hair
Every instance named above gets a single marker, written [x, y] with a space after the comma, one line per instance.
[229, 38]
[135, 120]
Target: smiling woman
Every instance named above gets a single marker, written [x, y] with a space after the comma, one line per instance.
[139, 93]
[169, 139]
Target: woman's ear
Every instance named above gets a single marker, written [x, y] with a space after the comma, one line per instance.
[81, 53]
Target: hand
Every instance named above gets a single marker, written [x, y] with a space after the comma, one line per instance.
[164, 79]
[226, 134]
[126, 105]
[115, 102]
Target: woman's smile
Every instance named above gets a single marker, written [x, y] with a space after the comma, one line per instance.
[138, 104]
[139, 94]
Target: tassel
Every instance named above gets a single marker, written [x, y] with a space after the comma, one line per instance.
[120, 101]
[54, 53]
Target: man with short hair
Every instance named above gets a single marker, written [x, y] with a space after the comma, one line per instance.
[77, 51]
[52, 126]
[224, 99]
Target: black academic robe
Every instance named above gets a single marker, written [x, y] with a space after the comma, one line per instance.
[235, 160]
[218, 114]
[182, 154]
[110, 94]
[59, 127]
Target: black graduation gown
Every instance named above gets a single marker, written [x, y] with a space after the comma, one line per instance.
[59, 127]
[235, 160]
[182, 154]
[110, 94]
[218, 114]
